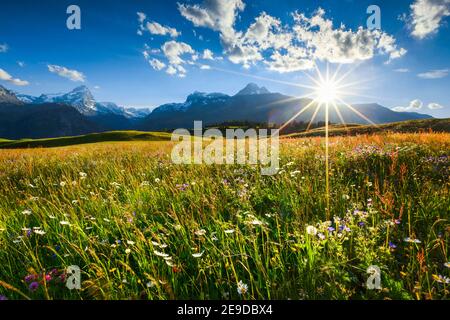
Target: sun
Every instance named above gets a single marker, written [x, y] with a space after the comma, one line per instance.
[326, 91]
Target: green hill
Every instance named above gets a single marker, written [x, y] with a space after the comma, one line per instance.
[88, 138]
[435, 125]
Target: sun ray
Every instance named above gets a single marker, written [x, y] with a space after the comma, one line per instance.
[357, 112]
[263, 78]
[307, 95]
[340, 116]
[327, 164]
[313, 116]
[322, 80]
[336, 72]
[346, 74]
[284, 125]
[347, 93]
[354, 83]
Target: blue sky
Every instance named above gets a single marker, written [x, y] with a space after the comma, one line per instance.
[405, 64]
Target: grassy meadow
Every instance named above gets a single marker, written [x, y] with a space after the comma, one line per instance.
[141, 227]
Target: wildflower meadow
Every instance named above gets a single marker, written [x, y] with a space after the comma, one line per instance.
[140, 227]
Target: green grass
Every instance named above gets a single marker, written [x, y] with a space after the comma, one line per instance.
[83, 139]
[434, 125]
[141, 227]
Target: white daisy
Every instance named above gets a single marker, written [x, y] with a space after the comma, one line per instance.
[242, 288]
[311, 230]
[198, 255]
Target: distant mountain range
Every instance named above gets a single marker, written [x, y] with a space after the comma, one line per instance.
[77, 112]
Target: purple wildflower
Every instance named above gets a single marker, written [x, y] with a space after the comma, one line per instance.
[182, 187]
[392, 245]
[33, 286]
[361, 224]
[3, 298]
[331, 229]
[29, 278]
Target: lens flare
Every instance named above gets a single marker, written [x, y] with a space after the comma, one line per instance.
[326, 92]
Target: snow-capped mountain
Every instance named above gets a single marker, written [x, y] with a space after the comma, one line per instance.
[7, 96]
[77, 112]
[193, 99]
[259, 105]
[82, 99]
[252, 89]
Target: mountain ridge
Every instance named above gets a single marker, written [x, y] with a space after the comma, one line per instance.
[253, 104]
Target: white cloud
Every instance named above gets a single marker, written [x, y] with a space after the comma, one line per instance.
[426, 16]
[295, 59]
[171, 70]
[5, 76]
[266, 32]
[21, 64]
[3, 47]
[158, 29]
[218, 15]
[174, 50]
[342, 45]
[402, 70]
[434, 74]
[205, 67]
[141, 17]
[157, 64]
[414, 105]
[72, 75]
[154, 27]
[177, 70]
[288, 48]
[208, 54]
[434, 106]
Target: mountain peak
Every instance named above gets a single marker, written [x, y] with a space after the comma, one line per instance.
[7, 96]
[251, 89]
[82, 88]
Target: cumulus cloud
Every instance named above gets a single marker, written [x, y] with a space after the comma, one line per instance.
[154, 28]
[174, 53]
[158, 29]
[64, 72]
[5, 76]
[279, 47]
[157, 64]
[141, 17]
[208, 54]
[434, 74]
[434, 106]
[218, 15]
[288, 48]
[3, 47]
[427, 15]
[341, 45]
[414, 105]
[295, 59]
